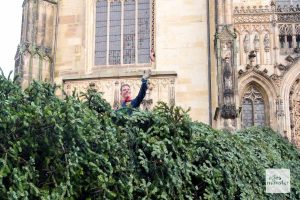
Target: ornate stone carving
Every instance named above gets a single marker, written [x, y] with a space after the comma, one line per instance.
[252, 19]
[252, 94]
[285, 29]
[246, 43]
[279, 107]
[172, 92]
[294, 17]
[294, 100]
[290, 59]
[148, 101]
[277, 80]
[227, 86]
[267, 42]
[297, 29]
[116, 95]
[253, 14]
[227, 81]
[252, 10]
[250, 28]
[288, 9]
[160, 89]
[256, 43]
[229, 112]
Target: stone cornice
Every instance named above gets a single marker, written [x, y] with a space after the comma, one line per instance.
[133, 74]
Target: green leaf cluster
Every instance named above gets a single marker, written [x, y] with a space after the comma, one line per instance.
[79, 148]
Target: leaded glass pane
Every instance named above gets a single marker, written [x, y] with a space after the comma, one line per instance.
[259, 113]
[247, 113]
[101, 33]
[129, 32]
[253, 108]
[115, 33]
[132, 34]
[144, 31]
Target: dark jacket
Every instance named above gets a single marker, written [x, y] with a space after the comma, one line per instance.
[136, 102]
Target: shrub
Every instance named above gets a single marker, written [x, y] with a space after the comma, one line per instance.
[55, 148]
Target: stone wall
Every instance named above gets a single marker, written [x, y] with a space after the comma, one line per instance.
[181, 45]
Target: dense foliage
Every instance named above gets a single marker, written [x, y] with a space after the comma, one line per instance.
[54, 148]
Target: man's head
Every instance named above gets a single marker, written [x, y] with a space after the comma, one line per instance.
[125, 92]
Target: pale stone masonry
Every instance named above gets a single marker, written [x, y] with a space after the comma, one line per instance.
[233, 62]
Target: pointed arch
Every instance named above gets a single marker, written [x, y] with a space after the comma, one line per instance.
[254, 107]
[289, 79]
[268, 91]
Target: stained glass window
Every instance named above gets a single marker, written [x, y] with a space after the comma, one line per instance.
[143, 31]
[253, 108]
[129, 32]
[247, 114]
[101, 33]
[123, 32]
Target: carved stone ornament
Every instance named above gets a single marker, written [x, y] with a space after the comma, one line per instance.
[297, 50]
[281, 67]
[279, 107]
[289, 59]
[252, 10]
[229, 112]
[256, 43]
[295, 17]
[267, 42]
[294, 100]
[226, 86]
[246, 43]
[288, 9]
[159, 89]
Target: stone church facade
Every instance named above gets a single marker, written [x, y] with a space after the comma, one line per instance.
[235, 63]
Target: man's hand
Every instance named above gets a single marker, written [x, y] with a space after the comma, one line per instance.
[147, 74]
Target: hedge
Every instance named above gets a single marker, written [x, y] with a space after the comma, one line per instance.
[77, 147]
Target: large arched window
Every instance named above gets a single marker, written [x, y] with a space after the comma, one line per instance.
[253, 108]
[123, 32]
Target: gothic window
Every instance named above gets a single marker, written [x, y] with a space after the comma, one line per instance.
[297, 31]
[290, 41]
[124, 32]
[253, 108]
[298, 41]
[282, 41]
[285, 38]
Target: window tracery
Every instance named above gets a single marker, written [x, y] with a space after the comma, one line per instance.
[124, 32]
[253, 108]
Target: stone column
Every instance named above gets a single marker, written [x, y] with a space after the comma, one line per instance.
[261, 49]
[116, 103]
[172, 92]
[228, 12]
[271, 51]
[220, 12]
[242, 62]
[276, 44]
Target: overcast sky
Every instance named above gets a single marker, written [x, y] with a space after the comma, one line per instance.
[10, 23]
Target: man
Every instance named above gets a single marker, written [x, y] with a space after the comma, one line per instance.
[126, 92]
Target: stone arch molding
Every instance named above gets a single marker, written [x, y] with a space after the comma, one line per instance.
[268, 91]
[289, 79]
